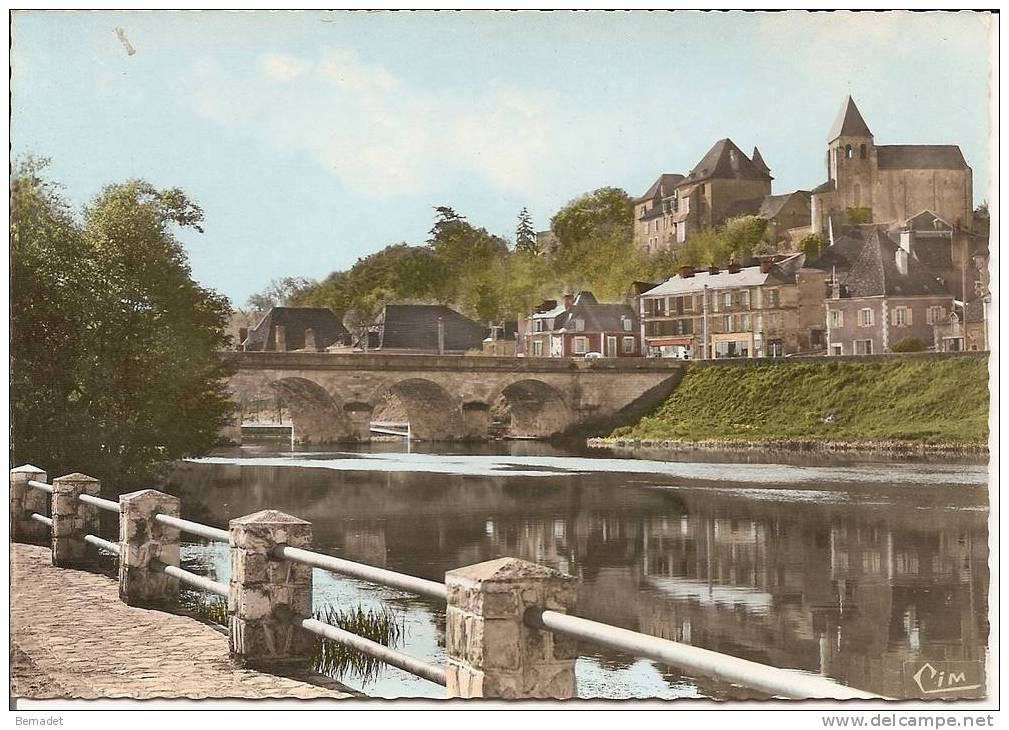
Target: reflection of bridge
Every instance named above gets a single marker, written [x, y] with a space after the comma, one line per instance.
[331, 397]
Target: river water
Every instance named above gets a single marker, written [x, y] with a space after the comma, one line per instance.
[846, 567]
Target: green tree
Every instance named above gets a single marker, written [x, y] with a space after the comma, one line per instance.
[114, 367]
[741, 235]
[812, 246]
[859, 216]
[279, 293]
[525, 234]
[599, 213]
[706, 247]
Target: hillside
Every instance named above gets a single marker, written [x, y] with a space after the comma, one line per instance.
[914, 399]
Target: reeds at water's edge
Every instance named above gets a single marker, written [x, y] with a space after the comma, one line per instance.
[330, 658]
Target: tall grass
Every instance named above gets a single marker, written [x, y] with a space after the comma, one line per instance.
[330, 658]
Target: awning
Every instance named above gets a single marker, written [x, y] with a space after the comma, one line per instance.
[670, 341]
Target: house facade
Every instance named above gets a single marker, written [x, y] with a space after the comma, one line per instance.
[886, 296]
[769, 310]
[892, 182]
[579, 325]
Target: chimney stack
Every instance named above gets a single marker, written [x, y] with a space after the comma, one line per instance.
[901, 260]
[569, 301]
[280, 338]
[243, 335]
[733, 267]
[310, 340]
[907, 240]
[766, 262]
[686, 272]
[712, 269]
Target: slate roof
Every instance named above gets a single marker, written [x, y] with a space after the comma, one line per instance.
[415, 327]
[725, 161]
[782, 272]
[749, 206]
[849, 122]
[327, 326]
[662, 188]
[597, 317]
[827, 187]
[771, 206]
[874, 272]
[920, 157]
[758, 161]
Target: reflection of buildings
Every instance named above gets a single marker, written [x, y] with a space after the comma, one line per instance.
[848, 589]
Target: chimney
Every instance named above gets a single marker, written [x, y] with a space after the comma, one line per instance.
[569, 301]
[733, 267]
[686, 272]
[310, 340]
[901, 259]
[766, 262]
[243, 335]
[280, 338]
[907, 240]
[712, 269]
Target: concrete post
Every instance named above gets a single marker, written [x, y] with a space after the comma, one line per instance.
[492, 653]
[73, 519]
[24, 501]
[144, 545]
[266, 595]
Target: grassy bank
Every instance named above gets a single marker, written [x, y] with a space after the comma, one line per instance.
[899, 401]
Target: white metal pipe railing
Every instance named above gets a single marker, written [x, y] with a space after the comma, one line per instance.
[48, 488]
[694, 660]
[105, 504]
[41, 518]
[195, 528]
[370, 573]
[430, 672]
[112, 547]
[197, 581]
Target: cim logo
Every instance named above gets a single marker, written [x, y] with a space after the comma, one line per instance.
[944, 679]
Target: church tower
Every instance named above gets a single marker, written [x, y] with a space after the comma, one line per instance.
[851, 158]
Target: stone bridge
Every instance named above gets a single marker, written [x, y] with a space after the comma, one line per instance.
[333, 398]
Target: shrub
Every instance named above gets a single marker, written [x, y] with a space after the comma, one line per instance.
[910, 344]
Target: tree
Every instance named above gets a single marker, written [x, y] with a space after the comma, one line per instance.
[279, 293]
[741, 236]
[859, 216]
[812, 246]
[706, 247]
[910, 344]
[525, 234]
[114, 364]
[601, 212]
[361, 317]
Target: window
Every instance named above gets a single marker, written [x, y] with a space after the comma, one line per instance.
[745, 297]
[847, 151]
[836, 348]
[865, 318]
[728, 323]
[579, 325]
[836, 318]
[901, 317]
[688, 303]
[537, 325]
[746, 323]
[537, 348]
[728, 299]
[935, 315]
[772, 298]
[626, 322]
[863, 347]
[628, 345]
[580, 345]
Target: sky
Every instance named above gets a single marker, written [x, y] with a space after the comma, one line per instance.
[311, 139]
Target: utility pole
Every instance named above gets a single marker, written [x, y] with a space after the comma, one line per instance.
[441, 335]
[704, 310]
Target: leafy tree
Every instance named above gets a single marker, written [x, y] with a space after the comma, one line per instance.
[114, 367]
[706, 247]
[360, 318]
[910, 344]
[279, 293]
[982, 210]
[742, 235]
[599, 213]
[525, 234]
[812, 246]
[859, 216]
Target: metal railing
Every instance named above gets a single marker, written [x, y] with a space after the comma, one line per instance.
[692, 660]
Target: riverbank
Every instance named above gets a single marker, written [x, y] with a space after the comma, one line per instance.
[901, 405]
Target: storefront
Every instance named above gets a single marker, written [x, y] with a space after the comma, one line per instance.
[681, 348]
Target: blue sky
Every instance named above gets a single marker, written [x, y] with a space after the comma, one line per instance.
[311, 139]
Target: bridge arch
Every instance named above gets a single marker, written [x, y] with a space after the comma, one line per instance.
[317, 417]
[434, 414]
[535, 409]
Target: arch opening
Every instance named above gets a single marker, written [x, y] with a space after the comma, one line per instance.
[433, 414]
[530, 409]
[314, 413]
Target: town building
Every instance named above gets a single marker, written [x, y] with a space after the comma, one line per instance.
[769, 310]
[881, 294]
[287, 329]
[425, 329]
[724, 184]
[888, 183]
[578, 326]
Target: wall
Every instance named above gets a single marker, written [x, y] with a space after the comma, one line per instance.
[900, 194]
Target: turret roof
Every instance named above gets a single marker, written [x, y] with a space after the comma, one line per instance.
[849, 122]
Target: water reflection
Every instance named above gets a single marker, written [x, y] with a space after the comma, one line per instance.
[849, 578]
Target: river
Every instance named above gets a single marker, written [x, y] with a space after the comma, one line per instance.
[842, 566]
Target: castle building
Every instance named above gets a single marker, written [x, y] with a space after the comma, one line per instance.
[889, 183]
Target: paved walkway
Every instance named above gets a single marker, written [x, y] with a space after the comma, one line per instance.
[72, 637]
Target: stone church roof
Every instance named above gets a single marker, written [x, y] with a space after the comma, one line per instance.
[920, 157]
[725, 161]
[849, 122]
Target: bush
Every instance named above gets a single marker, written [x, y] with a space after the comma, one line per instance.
[910, 344]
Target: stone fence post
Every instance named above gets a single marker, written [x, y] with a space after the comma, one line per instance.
[144, 545]
[266, 596]
[492, 653]
[24, 501]
[73, 519]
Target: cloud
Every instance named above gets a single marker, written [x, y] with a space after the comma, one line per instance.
[380, 136]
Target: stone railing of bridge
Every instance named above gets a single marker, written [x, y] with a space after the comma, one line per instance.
[509, 629]
[333, 397]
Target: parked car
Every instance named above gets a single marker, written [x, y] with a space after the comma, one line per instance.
[593, 355]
